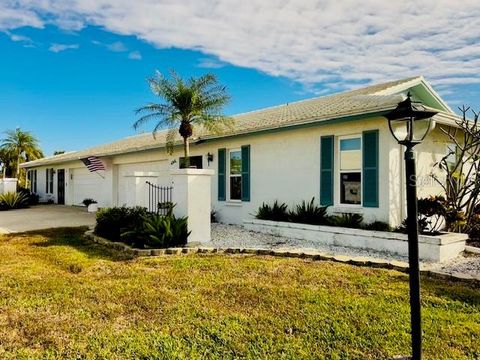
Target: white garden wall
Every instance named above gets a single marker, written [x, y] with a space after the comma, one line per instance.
[8, 185]
[431, 248]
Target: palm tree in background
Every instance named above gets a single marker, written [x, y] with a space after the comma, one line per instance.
[19, 146]
[195, 102]
[6, 160]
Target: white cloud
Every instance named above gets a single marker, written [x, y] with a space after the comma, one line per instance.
[135, 55]
[18, 38]
[56, 48]
[117, 46]
[208, 63]
[337, 43]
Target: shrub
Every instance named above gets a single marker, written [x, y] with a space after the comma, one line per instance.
[12, 200]
[347, 220]
[32, 198]
[88, 201]
[159, 231]
[213, 216]
[423, 227]
[474, 233]
[377, 226]
[309, 213]
[112, 222]
[276, 212]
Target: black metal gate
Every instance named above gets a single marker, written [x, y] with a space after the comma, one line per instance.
[159, 198]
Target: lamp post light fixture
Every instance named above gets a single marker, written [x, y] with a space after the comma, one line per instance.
[410, 122]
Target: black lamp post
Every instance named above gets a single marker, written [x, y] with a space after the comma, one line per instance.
[409, 123]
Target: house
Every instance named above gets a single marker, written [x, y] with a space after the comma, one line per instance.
[335, 148]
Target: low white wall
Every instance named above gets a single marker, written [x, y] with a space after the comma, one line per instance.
[8, 185]
[431, 248]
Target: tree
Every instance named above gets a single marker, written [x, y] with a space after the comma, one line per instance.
[461, 167]
[6, 161]
[21, 146]
[195, 102]
[58, 152]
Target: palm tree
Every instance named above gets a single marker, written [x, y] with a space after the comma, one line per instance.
[22, 146]
[6, 161]
[197, 101]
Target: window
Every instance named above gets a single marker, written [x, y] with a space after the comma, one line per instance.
[195, 162]
[235, 174]
[49, 181]
[32, 177]
[350, 170]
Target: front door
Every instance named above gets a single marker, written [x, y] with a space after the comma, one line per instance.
[61, 186]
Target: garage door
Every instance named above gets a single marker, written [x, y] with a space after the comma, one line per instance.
[86, 185]
[132, 178]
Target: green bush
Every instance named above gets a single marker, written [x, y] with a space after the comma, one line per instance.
[32, 198]
[88, 202]
[377, 226]
[347, 220]
[275, 212]
[158, 231]
[309, 213]
[112, 222]
[474, 232]
[12, 200]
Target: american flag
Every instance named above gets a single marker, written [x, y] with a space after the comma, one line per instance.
[93, 163]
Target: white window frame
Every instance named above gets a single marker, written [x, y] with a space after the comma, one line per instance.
[339, 171]
[229, 175]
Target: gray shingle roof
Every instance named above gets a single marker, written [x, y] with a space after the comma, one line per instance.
[355, 102]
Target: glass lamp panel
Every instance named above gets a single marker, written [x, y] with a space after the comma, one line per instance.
[421, 128]
[400, 129]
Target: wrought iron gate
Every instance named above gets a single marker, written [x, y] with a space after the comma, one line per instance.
[159, 198]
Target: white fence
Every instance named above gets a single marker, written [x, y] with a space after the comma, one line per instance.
[8, 185]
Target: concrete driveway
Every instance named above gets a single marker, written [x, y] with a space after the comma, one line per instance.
[44, 217]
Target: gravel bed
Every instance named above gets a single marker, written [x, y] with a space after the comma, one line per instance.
[234, 236]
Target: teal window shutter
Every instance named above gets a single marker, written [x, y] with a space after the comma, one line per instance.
[222, 165]
[370, 169]
[326, 170]
[246, 173]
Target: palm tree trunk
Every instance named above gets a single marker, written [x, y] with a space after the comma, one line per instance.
[18, 166]
[186, 149]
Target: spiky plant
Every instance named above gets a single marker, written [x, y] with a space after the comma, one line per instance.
[186, 104]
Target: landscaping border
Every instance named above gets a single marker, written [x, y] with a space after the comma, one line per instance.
[311, 255]
[437, 248]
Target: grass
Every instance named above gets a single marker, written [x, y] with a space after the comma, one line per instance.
[61, 297]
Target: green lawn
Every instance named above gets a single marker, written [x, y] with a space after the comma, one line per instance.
[61, 297]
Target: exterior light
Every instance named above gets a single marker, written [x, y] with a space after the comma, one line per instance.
[410, 122]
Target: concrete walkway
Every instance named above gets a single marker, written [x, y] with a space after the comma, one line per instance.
[44, 217]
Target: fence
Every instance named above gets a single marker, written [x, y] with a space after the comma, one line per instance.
[159, 198]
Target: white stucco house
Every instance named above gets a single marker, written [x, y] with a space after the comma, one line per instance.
[335, 148]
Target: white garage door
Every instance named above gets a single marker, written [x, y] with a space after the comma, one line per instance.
[132, 178]
[86, 185]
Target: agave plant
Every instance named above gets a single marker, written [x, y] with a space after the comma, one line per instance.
[276, 212]
[159, 231]
[348, 220]
[12, 200]
[309, 213]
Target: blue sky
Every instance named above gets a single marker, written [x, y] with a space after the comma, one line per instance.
[72, 71]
